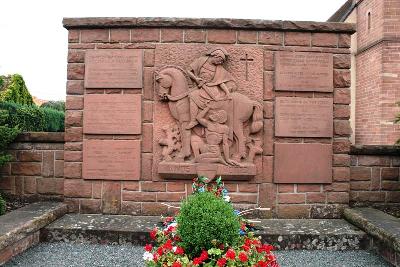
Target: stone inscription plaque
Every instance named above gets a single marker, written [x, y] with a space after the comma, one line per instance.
[112, 114]
[304, 71]
[303, 117]
[303, 163]
[111, 159]
[113, 68]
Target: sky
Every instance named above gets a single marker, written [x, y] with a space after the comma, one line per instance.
[33, 41]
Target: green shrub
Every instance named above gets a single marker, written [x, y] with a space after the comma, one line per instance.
[57, 105]
[33, 118]
[2, 206]
[7, 135]
[204, 220]
[15, 90]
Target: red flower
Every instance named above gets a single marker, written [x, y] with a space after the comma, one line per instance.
[262, 264]
[245, 248]
[179, 251]
[247, 242]
[243, 257]
[160, 251]
[153, 234]
[197, 261]
[148, 247]
[155, 257]
[204, 255]
[267, 248]
[230, 254]
[168, 244]
[177, 264]
[221, 262]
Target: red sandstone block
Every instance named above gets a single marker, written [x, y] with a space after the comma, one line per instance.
[268, 146]
[341, 146]
[308, 188]
[76, 56]
[73, 36]
[72, 170]
[270, 38]
[268, 85]
[247, 37]
[75, 71]
[73, 204]
[360, 173]
[30, 185]
[113, 91]
[293, 211]
[152, 187]
[130, 186]
[97, 187]
[176, 187]
[248, 188]
[74, 156]
[140, 35]
[73, 118]
[171, 35]
[147, 111]
[316, 197]
[50, 186]
[269, 60]
[195, 36]
[286, 188]
[147, 137]
[74, 102]
[75, 87]
[267, 195]
[95, 36]
[26, 168]
[341, 111]
[48, 164]
[360, 185]
[59, 168]
[111, 197]
[222, 36]
[81, 46]
[341, 61]
[325, 39]
[170, 197]
[148, 84]
[376, 179]
[29, 156]
[243, 198]
[77, 188]
[390, 174]
[297, 38]
[341, 174]
[344, 40]
[341, 160]
[268, 162]
[90, 206]
[149, 58]
[368, 196]
[19, 185]
[291, 198]
[342, 128]
[147, 166]
[73, 134]
[391, 186]
[154, 209]
[94, 91]
[73, 146]
[231, 187]
[370, 160]
[341, 96]
[338, 197]
[268, 109]
[393, 197]
[120, 35]
[7, 183]
[341, 78]
[131, 208]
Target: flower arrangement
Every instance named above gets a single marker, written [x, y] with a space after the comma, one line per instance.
[170, 248]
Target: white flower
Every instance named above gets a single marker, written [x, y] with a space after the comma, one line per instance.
[174, 249]
[147, 256]
[174, 224]
[227, 198]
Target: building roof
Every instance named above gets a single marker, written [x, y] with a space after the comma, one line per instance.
[344, 11]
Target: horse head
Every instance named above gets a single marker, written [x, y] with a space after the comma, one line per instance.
[172, 81]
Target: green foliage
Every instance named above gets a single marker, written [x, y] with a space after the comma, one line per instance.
[7, 135]
[57, 105]
[1, 82]
[205, 220]
[2, 206]
[33, 118]
[16, 91]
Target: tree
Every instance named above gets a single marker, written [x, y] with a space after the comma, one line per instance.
[13, 89]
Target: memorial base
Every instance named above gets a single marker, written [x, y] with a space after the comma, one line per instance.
[172, 170]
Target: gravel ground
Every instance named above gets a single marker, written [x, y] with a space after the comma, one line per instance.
[73, 255]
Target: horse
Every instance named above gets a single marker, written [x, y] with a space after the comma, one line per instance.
[174, 88]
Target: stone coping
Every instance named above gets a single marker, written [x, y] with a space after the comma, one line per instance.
[376, 223]
[211, 23]
[333, 234]
[41, 137]
[20, 223]
[375, 150]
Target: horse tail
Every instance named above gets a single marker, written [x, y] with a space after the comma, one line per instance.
[257, 119]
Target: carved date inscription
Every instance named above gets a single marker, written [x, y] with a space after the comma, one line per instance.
[304, 117]
[112, 114]
[113, 68]
[111, 159]
[304, 71]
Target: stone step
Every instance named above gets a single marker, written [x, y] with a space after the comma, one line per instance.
[308, 234]
[383, 229]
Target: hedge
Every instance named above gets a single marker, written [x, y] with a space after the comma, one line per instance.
[32, 118]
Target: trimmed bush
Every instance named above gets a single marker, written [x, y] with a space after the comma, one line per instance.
[57, 105]
[7, 135]
[15, 90]
[2, 206]
[33, 118]
[204, 220]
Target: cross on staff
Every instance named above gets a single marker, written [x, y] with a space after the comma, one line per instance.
[247, 59]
